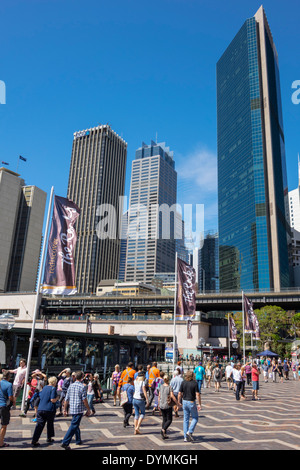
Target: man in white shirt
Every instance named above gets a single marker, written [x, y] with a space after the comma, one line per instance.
[237, 377]
[228, 375]
[19, 378]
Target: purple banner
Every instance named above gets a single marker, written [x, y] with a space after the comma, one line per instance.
[186, 291]
[251, 322]
[59, 276]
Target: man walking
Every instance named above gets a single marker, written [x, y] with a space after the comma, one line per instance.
[76, 398]
[19, 378]
[188, 396]
[154, 373]
[6, 393]
[200, 374]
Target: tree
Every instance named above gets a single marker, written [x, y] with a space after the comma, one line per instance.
[274, 326]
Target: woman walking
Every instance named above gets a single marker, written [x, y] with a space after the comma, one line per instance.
[217, 376]
[90, 393]
[156, 384]
[115, 378]
[140, 400]
[166, 396]
[208, 374]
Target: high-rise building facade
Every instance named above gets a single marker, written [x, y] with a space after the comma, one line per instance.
[151, 216]
[208, 264]
[96, 185]
[252, 180]
[294, 251]
[21, 224]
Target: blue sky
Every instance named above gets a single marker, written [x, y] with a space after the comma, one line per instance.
[146, 68]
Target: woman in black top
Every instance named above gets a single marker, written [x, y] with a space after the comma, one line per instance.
[190, 398]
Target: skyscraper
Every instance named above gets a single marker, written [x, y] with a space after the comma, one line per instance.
[252, 180]
[21, 223]
[96, 184]
[208, 265]
[151, 216]
[294, 252]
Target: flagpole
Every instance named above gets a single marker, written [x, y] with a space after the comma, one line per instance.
[174, 314]
[36, 306]
[228, 338]
[244, 346]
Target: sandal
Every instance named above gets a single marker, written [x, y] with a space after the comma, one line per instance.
[4, 445]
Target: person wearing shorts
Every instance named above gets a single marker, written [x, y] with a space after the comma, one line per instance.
[255, 382]
[6, 394]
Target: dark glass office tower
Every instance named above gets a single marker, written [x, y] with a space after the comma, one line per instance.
[252, 181]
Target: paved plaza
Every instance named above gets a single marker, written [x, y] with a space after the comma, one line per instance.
[272, 423]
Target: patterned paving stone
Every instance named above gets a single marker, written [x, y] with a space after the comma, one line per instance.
[273, 423]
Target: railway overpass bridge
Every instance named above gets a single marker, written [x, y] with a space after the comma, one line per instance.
[162, 305]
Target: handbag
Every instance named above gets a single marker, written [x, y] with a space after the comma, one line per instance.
[123, 398]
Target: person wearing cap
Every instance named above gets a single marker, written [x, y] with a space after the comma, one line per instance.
[66, 383]
[37, 384]
[199, 372]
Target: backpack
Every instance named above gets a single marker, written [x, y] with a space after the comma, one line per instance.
[217, 372]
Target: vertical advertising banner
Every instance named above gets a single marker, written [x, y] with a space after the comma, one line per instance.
[59, 276]
[232, 329]
[186, 291]
[251, 322]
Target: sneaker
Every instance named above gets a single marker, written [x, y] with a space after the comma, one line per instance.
[190, 437]
[185, 439]
[34, 420]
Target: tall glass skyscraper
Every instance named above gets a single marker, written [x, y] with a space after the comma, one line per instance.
[252, 180]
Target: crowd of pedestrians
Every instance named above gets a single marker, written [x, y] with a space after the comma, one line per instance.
[137, 390]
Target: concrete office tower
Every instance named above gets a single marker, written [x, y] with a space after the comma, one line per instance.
[123, 247]
[96, 182]
[252, 181]
[21, 223]
[151, 232]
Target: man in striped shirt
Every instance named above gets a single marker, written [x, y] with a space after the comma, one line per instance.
[76, 398]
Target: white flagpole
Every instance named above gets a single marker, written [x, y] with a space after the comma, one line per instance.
[174, 319]
[36, 306]
[228, 338]
[244, 346]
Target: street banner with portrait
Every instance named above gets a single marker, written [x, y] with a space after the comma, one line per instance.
[59, 275]
[251, 321]
[186, 291]
[232, 329]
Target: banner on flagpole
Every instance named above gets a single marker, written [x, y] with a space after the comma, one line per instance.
[232, 329]
[59, 275]
[186, 291]
[251, 321]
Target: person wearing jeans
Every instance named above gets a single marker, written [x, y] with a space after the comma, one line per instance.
[190, 398]
[140, 401]
[77, 399]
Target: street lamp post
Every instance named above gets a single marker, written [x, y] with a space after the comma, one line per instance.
[201, 344]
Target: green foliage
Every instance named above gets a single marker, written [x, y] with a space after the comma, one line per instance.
[275, 325]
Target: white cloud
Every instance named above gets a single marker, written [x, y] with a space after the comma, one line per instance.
[197, 177]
